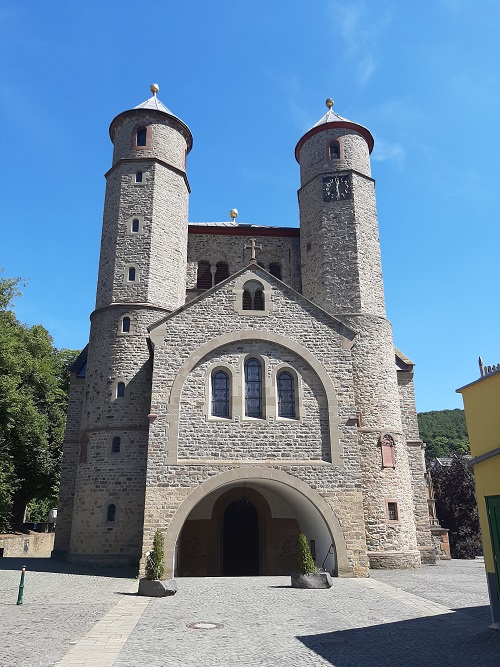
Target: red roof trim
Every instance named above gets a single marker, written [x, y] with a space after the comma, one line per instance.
[244, 231]
[340, 124]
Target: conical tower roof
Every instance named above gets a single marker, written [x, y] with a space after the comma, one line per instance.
[154, 104]
[332, 119]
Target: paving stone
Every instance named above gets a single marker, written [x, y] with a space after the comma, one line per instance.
[394, 618]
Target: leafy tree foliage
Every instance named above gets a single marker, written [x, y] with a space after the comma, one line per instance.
[456, 506]
[444, 432]
[33, 401]
[305, 561]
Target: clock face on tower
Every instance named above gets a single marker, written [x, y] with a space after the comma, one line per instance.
[336, 188]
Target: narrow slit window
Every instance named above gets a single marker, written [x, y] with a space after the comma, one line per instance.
[334, 150]
[120, 390]
[253, 388]
[131, 274]
[392, 511]
[258, 300]
[111, 513]
[116, 445]
[247, 300]
[126, 325]
[138, 177]
[135, 225]
[286, 395]
[220, 394]
[275, 270]
[204, 278]
[141, 136]
[221, 272]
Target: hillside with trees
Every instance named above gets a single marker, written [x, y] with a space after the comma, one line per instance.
[34, 383]
[444, 432]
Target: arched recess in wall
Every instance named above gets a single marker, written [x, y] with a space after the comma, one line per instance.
[311, 508]
[248, 335]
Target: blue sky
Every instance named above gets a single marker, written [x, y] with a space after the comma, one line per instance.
[249, 79]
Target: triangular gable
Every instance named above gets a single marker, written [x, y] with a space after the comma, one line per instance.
[338, 325]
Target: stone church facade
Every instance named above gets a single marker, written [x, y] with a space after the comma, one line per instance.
[241, 383]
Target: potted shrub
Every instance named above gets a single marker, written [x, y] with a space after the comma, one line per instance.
[152, 584]
[308, 575]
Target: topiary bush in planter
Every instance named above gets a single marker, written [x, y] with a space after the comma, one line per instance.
[308, 575]
[152, 584]
[155, 567]
[305, 561]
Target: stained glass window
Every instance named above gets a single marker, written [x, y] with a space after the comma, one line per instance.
[253, 388]
[220, 394]
[286, 395]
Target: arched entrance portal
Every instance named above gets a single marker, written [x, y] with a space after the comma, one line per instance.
[250, 528]
[240, 539]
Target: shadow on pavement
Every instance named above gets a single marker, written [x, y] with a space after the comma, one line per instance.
[50, 565]
[460, 639]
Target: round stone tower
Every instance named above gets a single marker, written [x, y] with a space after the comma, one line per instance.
[142, 275]
[341, 272]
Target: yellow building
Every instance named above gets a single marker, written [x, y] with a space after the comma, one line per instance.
[482, 412]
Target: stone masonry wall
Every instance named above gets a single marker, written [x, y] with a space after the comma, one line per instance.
[408, 406]
[160, 203]
[205, 437]
[231, 249]
[165, 496]
[104, 477]
[302, 323]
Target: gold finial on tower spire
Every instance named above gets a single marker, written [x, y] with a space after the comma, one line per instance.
[329, 103]
[154, 88]
[234, 214]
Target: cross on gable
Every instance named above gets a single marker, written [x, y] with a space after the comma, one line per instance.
[253, 247]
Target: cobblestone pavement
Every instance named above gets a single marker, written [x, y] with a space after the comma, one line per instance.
[394, 618]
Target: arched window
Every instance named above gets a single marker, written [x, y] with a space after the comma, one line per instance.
[253, 388]
[120, 390]
[135, 225]
[204, 278]
[334, 150]
[141, 136]
[275, 269]
[111, 513]
[131, 274]
[126, 325]
[220, 394]
[286, 395]
[253, 296]
[116, 445]
[138, 177]
[221, 272]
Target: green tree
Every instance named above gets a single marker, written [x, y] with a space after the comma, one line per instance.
[305, 561]
[155, 567]
[33, 401]
[456, 506]
[444, 432]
